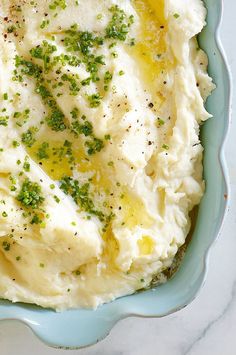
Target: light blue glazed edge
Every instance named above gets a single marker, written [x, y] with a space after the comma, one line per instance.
[79, 328]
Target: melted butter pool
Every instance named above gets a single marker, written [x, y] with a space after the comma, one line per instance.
[150, 48]
[57, 165]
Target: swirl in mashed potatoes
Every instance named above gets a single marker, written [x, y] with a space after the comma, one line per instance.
[100, 158]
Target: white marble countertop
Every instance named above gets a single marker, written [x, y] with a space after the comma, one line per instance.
[205, 327]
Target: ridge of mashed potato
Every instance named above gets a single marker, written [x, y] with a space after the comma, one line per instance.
[100, 158]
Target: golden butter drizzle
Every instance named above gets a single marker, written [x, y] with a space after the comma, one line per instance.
[149, 54]
[150, 49]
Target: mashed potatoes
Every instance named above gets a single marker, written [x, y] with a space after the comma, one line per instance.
[100, 158]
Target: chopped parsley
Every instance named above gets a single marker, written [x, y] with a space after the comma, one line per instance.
[94, 100]
[56, 198]
[44, 24]
[81, 41]
[28, 137]
[107, 137]
[4, 120]
[160, 122]
[15, 144]
[84, 128]
[107, 79]
[57, 3]
[21, 117]
[26, 166]
[28, 68]
[42, 152]
[64, 59]
[94, 145]
[56, 118]
[36, 219]
[30, 195]
[73, 84]
[43, 52]
[81, 196]
[118, 27]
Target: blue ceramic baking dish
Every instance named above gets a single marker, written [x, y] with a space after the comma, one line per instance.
[79, 328]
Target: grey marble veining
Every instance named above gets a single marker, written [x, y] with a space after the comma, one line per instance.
[208, 325]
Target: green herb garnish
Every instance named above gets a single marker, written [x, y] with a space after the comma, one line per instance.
[30, 195]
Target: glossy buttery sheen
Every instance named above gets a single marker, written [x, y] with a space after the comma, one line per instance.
[100, 157]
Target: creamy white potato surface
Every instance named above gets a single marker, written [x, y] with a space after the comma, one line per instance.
[100, 158]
